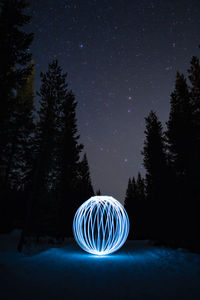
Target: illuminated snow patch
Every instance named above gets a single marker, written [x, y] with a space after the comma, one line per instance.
[101, 225]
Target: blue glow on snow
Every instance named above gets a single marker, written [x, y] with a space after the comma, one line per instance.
[101, 225]
[129, 256]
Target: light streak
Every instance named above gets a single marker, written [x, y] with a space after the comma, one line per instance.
[101, 225]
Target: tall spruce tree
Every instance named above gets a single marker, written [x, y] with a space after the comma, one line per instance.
[19, 162]
[14, 69]
[180, 128]
[156, 181]
[26, 97]
[135, 205]
[180, 140]
[84, 184]
[140, 209]
[52, 92]
[129, 205]
[194, 77]
[14, 57]
[98, 192]
[68, 165]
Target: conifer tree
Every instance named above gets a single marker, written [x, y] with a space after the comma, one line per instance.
[84, 184]
[140, 209]
[57, 154]
[180, 141]
[98, 192]
[68, 161]
[14, 57]
[140, 187]
[26, 97]
[179, 127]
[194, 77]
[14, 69]
[42, 178]
[129, 205]
[135, 205]
[156, 172]
[51, 93]
[19, 163]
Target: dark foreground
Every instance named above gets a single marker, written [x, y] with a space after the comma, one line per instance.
[137, 271]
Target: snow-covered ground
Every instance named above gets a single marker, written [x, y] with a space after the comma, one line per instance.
[136, 271]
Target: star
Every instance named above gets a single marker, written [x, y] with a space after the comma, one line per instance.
[168, 68]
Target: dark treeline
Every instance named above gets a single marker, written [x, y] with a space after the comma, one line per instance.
[43, 176]
[164, 206]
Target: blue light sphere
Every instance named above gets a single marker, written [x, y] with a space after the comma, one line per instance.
[101, 225]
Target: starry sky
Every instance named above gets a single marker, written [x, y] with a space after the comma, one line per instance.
[121, 57]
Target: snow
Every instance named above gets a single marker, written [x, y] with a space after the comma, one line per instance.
[137, 271]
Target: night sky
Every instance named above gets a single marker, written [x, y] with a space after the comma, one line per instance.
[121, 57]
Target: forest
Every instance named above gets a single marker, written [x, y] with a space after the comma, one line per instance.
[44, 171]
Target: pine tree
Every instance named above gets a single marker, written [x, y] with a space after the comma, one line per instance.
[14, 57]
[26, 98]
[98, 192]
[68, 161]
[84, 184]
[19, 163]
[135, 205]
[180, 140]
[52, 92]
[140, 187]
[14, 69]
[194, 77]
[179, 127]
[129, 205]
[140, 209]
[156, 172]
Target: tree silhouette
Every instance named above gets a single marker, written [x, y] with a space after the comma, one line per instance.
[98, 192]
[14, 69]
[47, 142]
[84, 185]
[129, 205]
[14, 56]
[19, 163]
[156, 171]
[140, 209]
[194, 77]
[179, 127]
[180, 139]
[135, 207]
[68, 161]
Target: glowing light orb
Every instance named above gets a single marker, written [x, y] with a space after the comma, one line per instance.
[101, 225]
